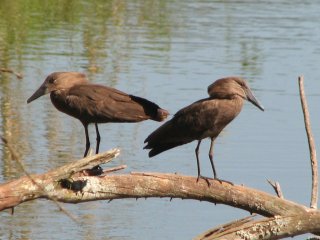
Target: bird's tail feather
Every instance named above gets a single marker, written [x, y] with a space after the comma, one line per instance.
[151, 109]
[155, 150]
[164, 138]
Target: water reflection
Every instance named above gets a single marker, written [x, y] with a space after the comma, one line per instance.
[168, 52]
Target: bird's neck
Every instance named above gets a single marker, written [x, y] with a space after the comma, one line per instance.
[235, 105]
[58, 97]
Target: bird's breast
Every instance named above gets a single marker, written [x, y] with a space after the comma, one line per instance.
[220, 116]
[60, 100]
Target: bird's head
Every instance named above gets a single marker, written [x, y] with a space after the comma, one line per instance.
[231, 87]
[58, 81]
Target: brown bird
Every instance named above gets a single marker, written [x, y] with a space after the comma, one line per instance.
[204, 118]
[73, 94]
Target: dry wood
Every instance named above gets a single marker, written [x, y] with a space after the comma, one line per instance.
[312, 149]
[109, 170]
[144, 185]
[276, 187]
[42, 185]
[266, 228]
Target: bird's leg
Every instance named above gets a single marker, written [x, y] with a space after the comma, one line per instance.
[211, 158]
[197, 156]
[198, 164]
[87, 139]
[212, 164]
[98, 138]
[97, 170]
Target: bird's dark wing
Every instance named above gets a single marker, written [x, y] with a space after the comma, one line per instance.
[194, 122]
[104, 104]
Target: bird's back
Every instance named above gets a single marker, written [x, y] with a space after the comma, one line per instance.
[96, 103]
[202, 119]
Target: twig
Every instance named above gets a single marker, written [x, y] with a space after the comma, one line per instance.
[15, 157]
[312, 149]
[114, 169]
[92, 173]
[18, 75]
[276, 187]
[219, 230]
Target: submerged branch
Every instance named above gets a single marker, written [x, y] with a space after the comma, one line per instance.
[8, 70]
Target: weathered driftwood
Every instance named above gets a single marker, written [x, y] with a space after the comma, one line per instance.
[137, 185]
[266, 228]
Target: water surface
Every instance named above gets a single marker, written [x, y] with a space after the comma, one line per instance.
[168, 52]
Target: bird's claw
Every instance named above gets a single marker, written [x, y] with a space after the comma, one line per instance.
[231, 183]
[225, 181]
[207, 179]
[204, 178]
[95, 171]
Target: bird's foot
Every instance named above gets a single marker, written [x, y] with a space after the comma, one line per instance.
[95, 171]
[75, 186]
[205, 178]
[224, 181]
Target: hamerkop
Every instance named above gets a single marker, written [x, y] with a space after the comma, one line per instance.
[204, 118]
[73, 94]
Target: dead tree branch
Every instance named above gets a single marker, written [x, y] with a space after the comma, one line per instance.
[110, 170]
[312, 149]
[36, 186]
[139, 185]
[144, 185]
[276, 187]
[266, 228]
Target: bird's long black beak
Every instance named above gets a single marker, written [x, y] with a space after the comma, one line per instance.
[40, 92]
[251, 98]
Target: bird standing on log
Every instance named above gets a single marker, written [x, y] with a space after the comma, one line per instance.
[205, 118]
[73, 94]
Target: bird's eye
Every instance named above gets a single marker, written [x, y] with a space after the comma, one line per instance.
[242, 84]
[52, 80]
